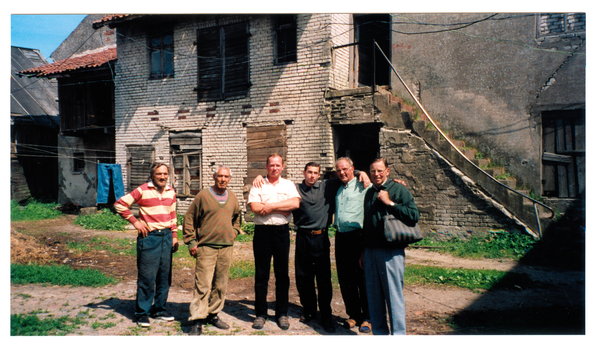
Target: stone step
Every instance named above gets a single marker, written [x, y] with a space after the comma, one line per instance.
[509, 182]
[470, 153]
[483, 162]
[495, 171]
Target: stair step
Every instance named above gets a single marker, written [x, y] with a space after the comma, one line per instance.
[458, 143]
[470, 153]
[509, 182]
[483, 162]
[495, 171]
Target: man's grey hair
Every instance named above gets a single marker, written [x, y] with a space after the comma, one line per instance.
[348, 160]
[221, 167]
[155, 166]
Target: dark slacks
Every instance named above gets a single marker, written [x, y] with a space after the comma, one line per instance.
[348, 248]
[154, 255]
[312, 261]
[271, 241]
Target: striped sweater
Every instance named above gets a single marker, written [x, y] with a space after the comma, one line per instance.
[156, 210]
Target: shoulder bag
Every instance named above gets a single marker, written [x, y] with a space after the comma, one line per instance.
[395, 231]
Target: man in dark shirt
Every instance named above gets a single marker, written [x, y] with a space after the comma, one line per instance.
[312, 258]
[312, 244]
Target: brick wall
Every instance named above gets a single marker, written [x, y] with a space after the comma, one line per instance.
[148, 110]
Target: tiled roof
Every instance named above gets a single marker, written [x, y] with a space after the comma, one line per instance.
[90, 59]
[113, 19]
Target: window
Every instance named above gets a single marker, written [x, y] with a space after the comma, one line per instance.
[161, 55]
[78, 162]
[563, 158]
[560, 24]
[186, 148]
[139, 160]
[223, 68]
[284, 31]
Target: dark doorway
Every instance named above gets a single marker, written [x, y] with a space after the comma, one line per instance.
[359, 142]
[369, 28]
[563, 158]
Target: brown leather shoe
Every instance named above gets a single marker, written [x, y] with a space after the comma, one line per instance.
[217, 323]
[196, 328]
[259, 323]
[349, 323]
[283, 322]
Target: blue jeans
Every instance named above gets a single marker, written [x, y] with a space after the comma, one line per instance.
[154, 254]
[105, 173]
[384, 272]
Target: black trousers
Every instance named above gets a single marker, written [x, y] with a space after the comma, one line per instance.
[348, 248]
[312, 261]
[271, 241]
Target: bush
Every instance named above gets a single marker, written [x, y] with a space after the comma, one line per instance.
[33, 210]
[103, 220]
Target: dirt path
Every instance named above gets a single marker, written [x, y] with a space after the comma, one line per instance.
[109, 309]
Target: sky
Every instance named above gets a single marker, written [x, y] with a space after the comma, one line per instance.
[42, 31]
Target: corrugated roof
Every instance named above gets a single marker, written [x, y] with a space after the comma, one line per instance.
[30, 97]
[89, 59]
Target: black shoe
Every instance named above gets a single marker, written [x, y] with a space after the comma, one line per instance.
[143, 322]
[328, 325]
[196, 328]
[259, 323]
[283, 322]
[163, 316]
[307, 318]
[217, 323]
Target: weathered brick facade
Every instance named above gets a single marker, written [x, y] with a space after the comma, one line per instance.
[148, 110]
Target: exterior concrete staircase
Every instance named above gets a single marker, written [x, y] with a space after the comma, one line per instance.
[521, 206]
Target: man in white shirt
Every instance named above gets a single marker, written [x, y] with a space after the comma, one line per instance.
[272, 205]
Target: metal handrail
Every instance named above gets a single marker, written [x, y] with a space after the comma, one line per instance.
[535, 202]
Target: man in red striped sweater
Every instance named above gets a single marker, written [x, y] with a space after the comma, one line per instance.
[157, 240]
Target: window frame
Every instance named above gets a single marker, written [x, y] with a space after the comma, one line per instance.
[223, 62]
[285, 32]
[162, 48]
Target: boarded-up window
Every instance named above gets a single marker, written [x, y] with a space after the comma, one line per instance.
[186, 154]
[140, 158]
[223, 67]
[563, 159]
[262, 141]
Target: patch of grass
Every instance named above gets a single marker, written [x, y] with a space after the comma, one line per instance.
[31, 325]
[33, 210]
[241, 269]
[103, 220]
[61, 275]
[463, 278]
[98, 325]
[120, 246]
[493, 245]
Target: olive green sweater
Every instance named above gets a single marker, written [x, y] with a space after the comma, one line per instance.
[208, 223]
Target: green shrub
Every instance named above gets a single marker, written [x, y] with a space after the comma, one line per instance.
[61, 275]
[33, 210]
[103, 220]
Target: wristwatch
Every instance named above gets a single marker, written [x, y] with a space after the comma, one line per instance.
[393, 204]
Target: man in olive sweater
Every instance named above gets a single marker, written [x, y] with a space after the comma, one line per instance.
[210, 226]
